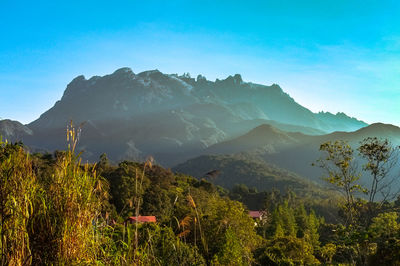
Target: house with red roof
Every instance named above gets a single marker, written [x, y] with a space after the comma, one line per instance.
[141, 219]
[257, 215]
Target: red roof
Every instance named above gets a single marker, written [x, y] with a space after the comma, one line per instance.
[142, 219]
[255, 214]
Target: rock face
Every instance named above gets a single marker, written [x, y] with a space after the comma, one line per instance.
[171, 117]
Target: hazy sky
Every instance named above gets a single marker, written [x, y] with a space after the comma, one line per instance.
[328, 55]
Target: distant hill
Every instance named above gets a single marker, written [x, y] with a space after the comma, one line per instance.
[264, 138]
[248, 170]
[295, 151]
[13, 130]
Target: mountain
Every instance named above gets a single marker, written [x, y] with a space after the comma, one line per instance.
[124, 94]
[296, 151]
[172, 117]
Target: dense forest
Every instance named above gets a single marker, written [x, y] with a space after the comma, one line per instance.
[56, 210]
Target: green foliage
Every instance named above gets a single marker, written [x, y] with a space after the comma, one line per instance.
[231, 252]
[223, 218]
[289, 229]
[287, 251]
[385, 225]
[327, 252]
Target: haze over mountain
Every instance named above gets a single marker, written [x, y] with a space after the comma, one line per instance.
[172, 117]
[296, 151]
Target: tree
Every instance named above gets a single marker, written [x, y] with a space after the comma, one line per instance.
[286, 251]
[231, 251]
[338, 162]
[327, 252]
[380, 158]
[313, 226]
[226, 225]
[103, 164]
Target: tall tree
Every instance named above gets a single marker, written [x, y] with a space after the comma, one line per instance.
[338, 163]
[380, 156]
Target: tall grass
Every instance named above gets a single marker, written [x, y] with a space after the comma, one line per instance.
[18, 187]
[58, 215]
[74, 204]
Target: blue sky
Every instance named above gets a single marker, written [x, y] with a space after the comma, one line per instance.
[328, 55]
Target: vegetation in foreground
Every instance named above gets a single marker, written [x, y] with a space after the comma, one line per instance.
[55, 210]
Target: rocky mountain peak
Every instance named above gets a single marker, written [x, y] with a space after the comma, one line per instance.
[231, 80]
[237, 79]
